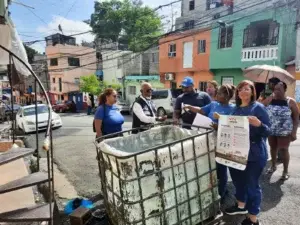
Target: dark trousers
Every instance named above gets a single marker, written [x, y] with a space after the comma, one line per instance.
[222, 178]
[89, 110]
[247, 185]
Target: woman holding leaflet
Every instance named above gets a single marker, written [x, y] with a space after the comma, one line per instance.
[222, 107]
[248, 190]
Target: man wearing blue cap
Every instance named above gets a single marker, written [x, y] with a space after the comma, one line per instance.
[189, 97]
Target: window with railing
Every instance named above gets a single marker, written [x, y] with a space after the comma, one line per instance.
[189, 25]
[155, 57]
[172, 50]
[201, 46]
[60, 84]
[261, 33]
[225, 37]
[73, 61]
[212, 4]
[77, 80]
[54, 62]
[191, 5]
[132, 90]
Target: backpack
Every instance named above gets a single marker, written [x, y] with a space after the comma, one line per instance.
[94, 127]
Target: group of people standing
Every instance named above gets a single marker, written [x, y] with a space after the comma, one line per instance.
[274, 118]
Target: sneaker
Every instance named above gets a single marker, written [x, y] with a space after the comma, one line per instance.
[247, 221]
[235, 210]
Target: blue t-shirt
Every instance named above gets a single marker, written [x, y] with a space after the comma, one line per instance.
[112, 120]
[258, 135]
[214, 106]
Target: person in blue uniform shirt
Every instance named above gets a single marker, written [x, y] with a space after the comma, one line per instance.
[248, 190]
[222, 107]
[189, 97]
[108, 119]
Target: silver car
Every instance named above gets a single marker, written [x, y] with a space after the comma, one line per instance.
[123, 106]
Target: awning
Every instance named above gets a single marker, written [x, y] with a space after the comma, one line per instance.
[10, 39]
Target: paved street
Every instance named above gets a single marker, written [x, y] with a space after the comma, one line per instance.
[74, 151]
[75, 156]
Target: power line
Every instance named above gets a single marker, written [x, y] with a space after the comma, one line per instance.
[188, 34]
[181, 37]
[208, 16]
[157, 8]
[72, 6]
[191, 32]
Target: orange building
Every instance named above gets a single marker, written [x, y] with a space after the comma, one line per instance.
[185, 54]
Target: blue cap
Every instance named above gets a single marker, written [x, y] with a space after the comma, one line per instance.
[187, 82]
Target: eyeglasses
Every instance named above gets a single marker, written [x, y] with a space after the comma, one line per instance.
[115, 96]
[149, 90]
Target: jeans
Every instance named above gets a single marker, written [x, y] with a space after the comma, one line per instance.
[247, 185]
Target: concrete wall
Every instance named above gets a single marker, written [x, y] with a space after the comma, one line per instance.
[67, 73]
[237, 75]
[153, 59]
[200, 65]
[112, 69]
[39, 66]
[204, 18]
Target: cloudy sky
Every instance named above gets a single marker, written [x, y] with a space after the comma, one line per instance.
[43, 20]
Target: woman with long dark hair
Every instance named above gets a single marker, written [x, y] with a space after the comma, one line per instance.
[108, 119]
[248, 190]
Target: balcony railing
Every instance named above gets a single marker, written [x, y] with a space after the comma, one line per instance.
[262, 53]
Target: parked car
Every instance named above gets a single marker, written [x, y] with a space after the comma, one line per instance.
[164, 100]
[25, 118]
[123, 106]
[63, 107]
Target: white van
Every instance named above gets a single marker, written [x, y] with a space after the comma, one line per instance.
[164, 100]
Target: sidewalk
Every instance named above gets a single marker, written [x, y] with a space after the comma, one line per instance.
[4, 125]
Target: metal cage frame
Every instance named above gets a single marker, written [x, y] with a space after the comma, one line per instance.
[158, 172]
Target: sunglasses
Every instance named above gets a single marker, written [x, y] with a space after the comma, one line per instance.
[149, 90]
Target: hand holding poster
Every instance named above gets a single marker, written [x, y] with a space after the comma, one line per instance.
[233, 143]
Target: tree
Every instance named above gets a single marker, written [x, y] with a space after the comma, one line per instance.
[90, 84]
[30, 53]
[128, 22]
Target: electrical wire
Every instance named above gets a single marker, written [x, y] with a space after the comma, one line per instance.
[157, 8]
[179, 30]
[181, 37]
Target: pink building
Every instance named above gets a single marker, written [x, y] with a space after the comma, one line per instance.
[67, 62]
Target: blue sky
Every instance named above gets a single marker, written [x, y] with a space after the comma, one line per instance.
[68, 13]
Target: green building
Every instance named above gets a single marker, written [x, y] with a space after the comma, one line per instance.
[240, 40]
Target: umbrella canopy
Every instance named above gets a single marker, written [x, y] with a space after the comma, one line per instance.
[262, 74]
